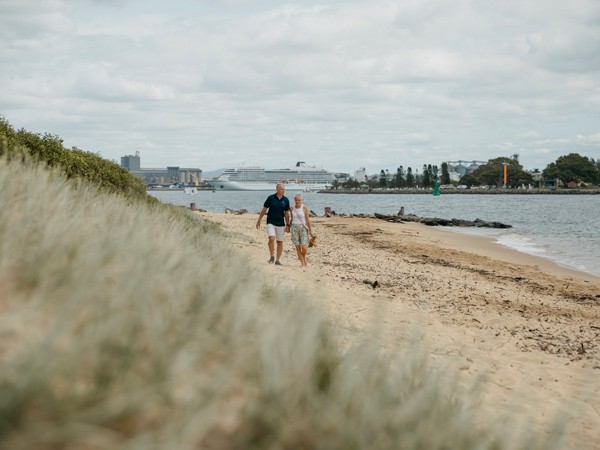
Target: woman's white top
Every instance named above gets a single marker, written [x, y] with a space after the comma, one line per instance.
[298, 213]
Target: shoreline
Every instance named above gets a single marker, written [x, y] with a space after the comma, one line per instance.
[527, 327]
[511, 255]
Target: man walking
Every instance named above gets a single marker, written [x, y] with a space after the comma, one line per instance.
[278, 222]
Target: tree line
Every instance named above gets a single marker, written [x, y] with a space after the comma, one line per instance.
[569, 168]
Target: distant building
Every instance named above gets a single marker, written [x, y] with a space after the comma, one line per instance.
[169, 175]
[540, 181]
[360, 175]
[130, 162]
[342, 177]
[458, 169]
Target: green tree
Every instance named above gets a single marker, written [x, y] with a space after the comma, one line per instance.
[351, 184]
[371, 182]
[435, 173]
[335, 184]
[493, 172]
[426, 178]
[400, 180]
[572, 167]
[410, 179]
[383, 181]
[469, 181]
[445, 175]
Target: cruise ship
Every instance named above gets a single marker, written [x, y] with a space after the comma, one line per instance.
[302, 177]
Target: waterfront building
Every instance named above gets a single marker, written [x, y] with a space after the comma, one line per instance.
[342, 177]
[169, 175]
[360, 175]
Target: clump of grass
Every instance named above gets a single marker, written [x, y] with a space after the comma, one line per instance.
[131, 326]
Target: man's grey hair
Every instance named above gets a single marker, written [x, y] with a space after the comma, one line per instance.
[279, 184]
[298, 194]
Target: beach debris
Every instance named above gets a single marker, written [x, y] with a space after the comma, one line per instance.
[374, 284]
[311, 213]
[238, 212]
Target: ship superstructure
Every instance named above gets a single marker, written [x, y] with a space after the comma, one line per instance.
[256, 178]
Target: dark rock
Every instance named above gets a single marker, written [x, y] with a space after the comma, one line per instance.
[436, 221]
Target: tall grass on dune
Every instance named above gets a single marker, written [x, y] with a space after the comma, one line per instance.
[130, 326]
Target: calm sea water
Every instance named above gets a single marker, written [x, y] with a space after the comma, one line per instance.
[562, 228]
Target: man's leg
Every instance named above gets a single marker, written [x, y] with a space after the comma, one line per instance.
[272, 246]
[279, 250]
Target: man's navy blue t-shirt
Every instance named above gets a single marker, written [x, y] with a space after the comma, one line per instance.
[277, 209]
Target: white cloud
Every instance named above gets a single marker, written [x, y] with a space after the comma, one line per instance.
[593, 139]
[337, 83]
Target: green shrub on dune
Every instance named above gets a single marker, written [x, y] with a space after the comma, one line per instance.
[123, 327]
[74, 163]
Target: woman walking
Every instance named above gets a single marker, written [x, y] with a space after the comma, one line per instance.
[301, 228]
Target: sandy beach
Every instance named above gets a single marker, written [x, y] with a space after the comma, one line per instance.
[529, 327]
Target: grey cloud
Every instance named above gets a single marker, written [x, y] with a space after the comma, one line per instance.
[382, 83]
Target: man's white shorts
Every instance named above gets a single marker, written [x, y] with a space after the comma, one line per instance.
[278, 232]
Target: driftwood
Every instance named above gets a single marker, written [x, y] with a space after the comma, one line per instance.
[394, 218]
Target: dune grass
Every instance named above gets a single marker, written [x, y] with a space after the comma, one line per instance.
[127, 325]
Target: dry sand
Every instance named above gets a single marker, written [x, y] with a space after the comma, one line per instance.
[529, 327]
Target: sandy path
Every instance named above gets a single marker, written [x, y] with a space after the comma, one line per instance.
[531, 327]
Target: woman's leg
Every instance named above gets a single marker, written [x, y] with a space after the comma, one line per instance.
[300, 255]
[303, 252]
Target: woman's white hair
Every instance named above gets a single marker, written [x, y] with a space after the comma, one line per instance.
[298, 194]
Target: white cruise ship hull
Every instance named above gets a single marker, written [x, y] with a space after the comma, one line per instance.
[227, 185]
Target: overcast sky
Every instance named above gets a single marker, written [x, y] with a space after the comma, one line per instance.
[338, 84]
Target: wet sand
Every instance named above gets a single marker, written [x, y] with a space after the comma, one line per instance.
[529, 327]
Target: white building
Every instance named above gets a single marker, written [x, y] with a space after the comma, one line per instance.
[360, 175]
